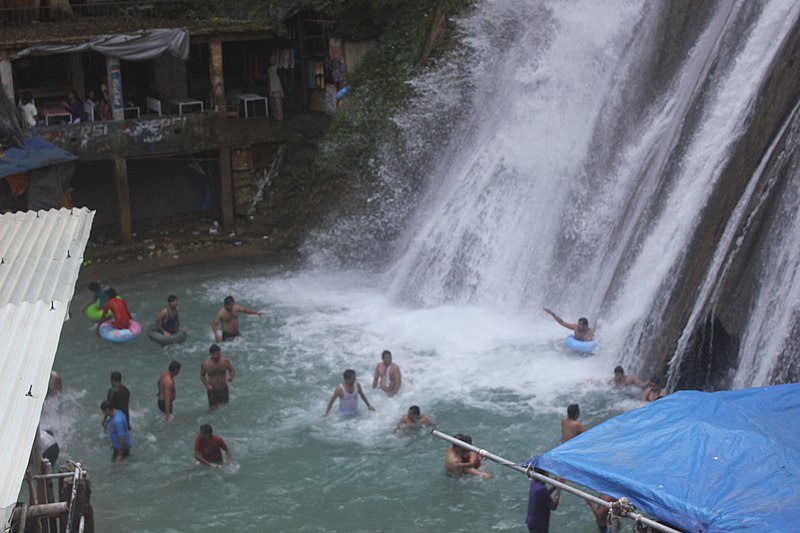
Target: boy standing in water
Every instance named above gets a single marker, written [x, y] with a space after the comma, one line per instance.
[570, 427]
[348, 393]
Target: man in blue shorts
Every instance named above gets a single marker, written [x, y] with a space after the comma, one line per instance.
[117, 431]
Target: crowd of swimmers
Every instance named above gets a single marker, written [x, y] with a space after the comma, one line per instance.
[216, 372]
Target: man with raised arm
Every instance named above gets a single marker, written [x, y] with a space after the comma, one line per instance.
[215, 374]
[582, 330]
[228, 315]
[540, 503]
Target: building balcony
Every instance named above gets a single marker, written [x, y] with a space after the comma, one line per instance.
[160, 135]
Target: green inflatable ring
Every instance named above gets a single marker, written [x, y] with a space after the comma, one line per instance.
[94, 312]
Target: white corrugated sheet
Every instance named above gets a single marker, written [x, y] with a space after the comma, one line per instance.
[40, 256]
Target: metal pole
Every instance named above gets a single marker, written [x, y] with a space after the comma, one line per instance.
[528, 471]
[73, 496]
[51, 476]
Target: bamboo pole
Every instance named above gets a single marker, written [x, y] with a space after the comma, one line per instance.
[43, 510]
[23, 520]
[47, 468]
[528, 471]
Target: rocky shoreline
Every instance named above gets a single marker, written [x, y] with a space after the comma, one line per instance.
[166, 250]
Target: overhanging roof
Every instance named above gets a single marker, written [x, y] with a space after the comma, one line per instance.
[139, 45]
[712, 462]
[40, 256]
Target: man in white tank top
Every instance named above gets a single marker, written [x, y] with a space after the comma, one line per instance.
[348, 393]
[387, 375]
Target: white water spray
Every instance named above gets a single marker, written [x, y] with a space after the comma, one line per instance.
[517, 216]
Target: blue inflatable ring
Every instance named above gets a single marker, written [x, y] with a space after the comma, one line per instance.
[112, 334]
[580, 346]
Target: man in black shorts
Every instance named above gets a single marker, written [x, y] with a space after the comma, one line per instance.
[228, 317]
[215, 374]
[166, 389]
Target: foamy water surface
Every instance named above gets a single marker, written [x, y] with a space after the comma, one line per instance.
[504, 380]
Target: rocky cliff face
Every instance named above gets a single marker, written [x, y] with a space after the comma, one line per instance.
[712, 353]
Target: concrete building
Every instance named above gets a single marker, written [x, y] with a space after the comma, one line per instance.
[175, 117]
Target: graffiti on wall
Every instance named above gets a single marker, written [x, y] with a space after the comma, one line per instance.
[153, 130]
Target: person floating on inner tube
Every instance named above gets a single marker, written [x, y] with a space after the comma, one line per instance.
[582, 330]
[117, 308]
[99, 293]
[168, 321]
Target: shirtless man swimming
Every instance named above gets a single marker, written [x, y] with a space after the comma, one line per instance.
[166, 389]
[412, 421]
[228, 314]
[621, 379]
[213, 374]
[582, 330]
[654, 391]
[387, 375]
[460, 461]
[570, 427]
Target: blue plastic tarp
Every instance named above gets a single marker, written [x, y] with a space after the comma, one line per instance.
[38, 154]
[711, 462]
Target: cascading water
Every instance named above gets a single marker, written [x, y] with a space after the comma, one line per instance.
[580, 171]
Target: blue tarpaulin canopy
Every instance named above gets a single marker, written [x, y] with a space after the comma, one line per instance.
[39, 154]
[708, 462]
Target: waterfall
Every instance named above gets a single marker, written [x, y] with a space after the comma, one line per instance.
[586, 143]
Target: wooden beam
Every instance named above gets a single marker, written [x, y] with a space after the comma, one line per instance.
[226, 188]
[123, 198]
[217, 78]
[114, 88]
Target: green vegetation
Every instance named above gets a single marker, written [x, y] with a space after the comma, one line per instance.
[407, 33]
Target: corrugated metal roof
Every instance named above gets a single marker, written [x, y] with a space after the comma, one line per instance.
[40, 256]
